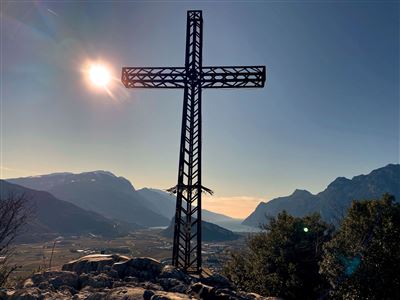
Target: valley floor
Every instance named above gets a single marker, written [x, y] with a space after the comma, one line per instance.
[35, 257]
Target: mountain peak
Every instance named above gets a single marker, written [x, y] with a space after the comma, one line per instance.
[99, 172]
[338, 182]
[298, 192]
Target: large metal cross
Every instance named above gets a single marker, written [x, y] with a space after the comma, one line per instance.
[192, 78]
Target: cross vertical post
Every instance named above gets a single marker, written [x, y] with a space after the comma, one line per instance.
[192, 78]
[186, 251]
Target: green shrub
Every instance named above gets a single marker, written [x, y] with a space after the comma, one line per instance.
[284, 259]
[362, 261]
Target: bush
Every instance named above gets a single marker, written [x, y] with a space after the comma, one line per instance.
[283, 260]
[362, 261]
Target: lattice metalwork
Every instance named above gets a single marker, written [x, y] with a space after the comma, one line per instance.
[192, 78]
[209, 77]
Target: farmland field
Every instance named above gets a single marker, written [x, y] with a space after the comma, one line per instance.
[35, 257]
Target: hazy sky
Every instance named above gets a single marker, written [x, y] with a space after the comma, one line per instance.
[330, 106]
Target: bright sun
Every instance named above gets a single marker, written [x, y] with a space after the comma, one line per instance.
[99, 75]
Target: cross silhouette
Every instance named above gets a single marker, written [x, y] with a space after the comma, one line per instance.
[193, 77]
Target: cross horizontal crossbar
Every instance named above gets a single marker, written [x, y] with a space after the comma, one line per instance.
[210, 77]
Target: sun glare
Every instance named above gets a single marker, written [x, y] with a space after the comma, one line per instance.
[99, 75]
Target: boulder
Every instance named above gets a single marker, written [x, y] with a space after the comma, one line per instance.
[36, 294]
[98, 281]
[143, 268]
[125, 293]
[54, 278]
[169, 296]
[131, 279]
[217, 280]
[150, 286]
[31, 293]
[28, 283]
[226, 294]
[180, 288]
[148, 294]
[168, 283]
[169, 271]
[64, 279]
[93, 263]
[93, 296]
[201, 291]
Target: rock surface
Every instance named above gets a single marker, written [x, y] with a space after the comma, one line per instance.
[115, 277]
[93, 263]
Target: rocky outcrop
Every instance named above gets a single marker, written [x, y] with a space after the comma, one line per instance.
[93, 263]
[140, 267]
[115, 277]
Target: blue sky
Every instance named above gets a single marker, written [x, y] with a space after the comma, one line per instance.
[330, 106]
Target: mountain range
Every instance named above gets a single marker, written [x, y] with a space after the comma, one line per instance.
[113, 197]
[165, 204]
[49, 216]
[99, 191]
[209, 232]
[99, 202]
[333, 202]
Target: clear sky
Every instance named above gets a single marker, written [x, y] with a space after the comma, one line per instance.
[330, 106]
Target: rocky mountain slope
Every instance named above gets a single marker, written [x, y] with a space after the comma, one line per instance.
[99, 191]
[113, 197]
[164, 203]
[210, 232]
[51, 217]
[335, 199]
[115, 277]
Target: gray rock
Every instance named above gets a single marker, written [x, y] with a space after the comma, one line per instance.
[143, 268]
[125, 293]
[147, 294]
[54, 278]
[131, 279]
[93, 263]
[201, 291]
[67, 289]
[113, 273]
[63, 278]
[44, 285]
[151, 286]
[226, 294]
[98, 281]
[169, 296]
[108, 277]
[96, 296]
[35, 293]
[169, 271]
[168, 283]
[217, 280]
[180, 288]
